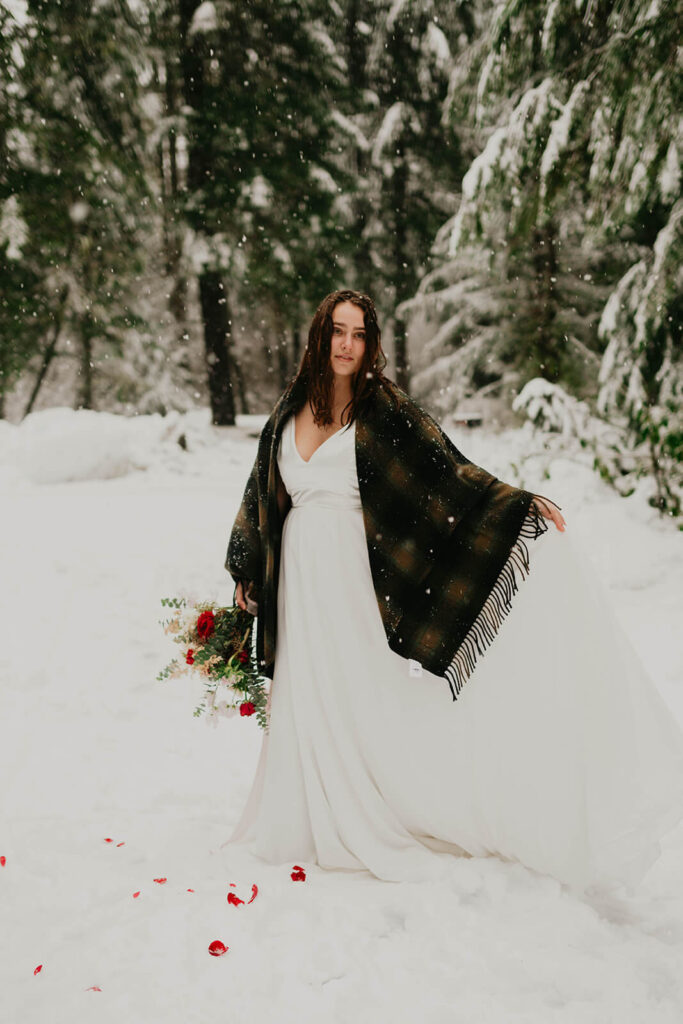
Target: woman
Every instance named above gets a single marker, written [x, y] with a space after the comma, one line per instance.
[382, 564]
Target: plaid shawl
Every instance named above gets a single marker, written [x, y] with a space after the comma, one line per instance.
[444, 536]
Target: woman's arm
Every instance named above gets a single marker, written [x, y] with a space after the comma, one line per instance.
[547, 508]
[243, 558]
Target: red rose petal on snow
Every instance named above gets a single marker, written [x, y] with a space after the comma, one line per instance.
[217, 948]
[190, 890]
[3, 860]
[235, 900]
[136, 894]
[38, 968]
[109, 840]
[94, 988]
[118, 844]
[161, 880]
[298, 874]
[232, 885]
[254, 893]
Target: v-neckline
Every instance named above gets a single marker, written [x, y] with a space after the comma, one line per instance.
[306, 462]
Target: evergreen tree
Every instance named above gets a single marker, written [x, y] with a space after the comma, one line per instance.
[575, 187]
[74, 176]
[415, 158]
[260, 193]
[24, 320]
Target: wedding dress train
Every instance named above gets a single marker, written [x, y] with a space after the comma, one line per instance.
[559, 752]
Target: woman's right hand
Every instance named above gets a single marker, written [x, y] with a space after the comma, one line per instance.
[241, 598]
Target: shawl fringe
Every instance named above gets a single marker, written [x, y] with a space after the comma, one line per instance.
[495, 609]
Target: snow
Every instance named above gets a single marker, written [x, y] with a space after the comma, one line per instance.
[204, 19]
[93, 747]
[600, 141]
[492, 62]
[259, 191]
[18, 9]
[350, 128]
[548, 31]
[204, 251]
[641, 300]
[399, 116]
[436, 44]
[559, 410]
[649, 309]
[476, 180]
[504, 156]
[61, 444]
[325, 45]
[559, 134]
[669, 178]
[527, 121]
[322, 177]
[13, 229]
[618, 364]
[396, 11]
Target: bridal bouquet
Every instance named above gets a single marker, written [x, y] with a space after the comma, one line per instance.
[216, 644]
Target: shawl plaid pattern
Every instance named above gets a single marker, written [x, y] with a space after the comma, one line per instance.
[444, 536]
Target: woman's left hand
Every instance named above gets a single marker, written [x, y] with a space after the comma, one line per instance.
[549, 510]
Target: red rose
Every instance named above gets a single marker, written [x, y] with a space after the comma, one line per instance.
[247, 708]
[205, 625]
[188, 657]
[243, 656]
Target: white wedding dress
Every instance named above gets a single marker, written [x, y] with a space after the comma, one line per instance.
[559, 752]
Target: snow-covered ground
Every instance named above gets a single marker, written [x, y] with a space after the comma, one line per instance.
[101, 517]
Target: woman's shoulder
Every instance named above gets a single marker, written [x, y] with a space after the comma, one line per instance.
[386, 393]
[396, 399]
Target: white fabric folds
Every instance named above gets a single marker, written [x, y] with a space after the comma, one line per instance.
[559, 752]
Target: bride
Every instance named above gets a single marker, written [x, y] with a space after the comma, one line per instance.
[423, 704]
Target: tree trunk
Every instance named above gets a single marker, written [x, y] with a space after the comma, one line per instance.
[401, 263]
[296, 347]
[283, 359]
[216, 340]
[213, 299]
[356, 47]
[545, 302]
[49, 353]
[400, 349]
[84, 400]
[178, 296]
[236, 372]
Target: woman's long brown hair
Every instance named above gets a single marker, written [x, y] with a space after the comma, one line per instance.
[315, 376]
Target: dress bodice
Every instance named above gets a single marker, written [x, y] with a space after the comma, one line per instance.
[329, 478]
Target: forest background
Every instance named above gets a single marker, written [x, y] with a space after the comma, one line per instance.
[182, 182]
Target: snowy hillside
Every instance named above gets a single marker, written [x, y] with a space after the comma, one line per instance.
[103, 517]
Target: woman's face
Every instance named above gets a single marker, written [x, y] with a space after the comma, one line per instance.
[348, 339]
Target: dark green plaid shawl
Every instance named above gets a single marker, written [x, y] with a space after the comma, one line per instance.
[444, 536]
